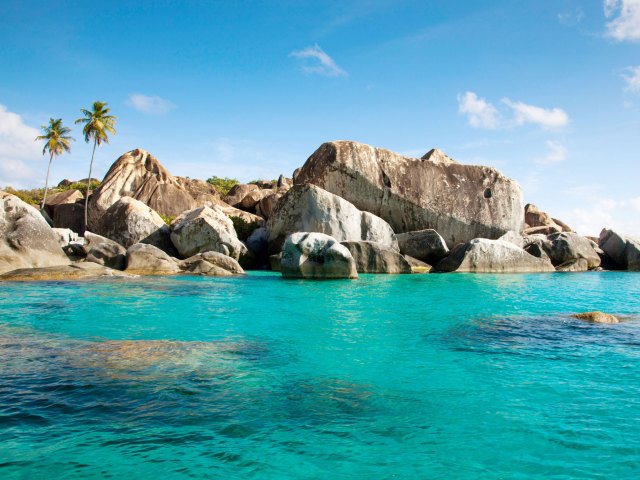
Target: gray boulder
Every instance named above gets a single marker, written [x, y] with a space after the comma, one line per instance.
[206, 229]
[26, 239]
[461, 202]
[426, 245]
[567, 246]
[145, 259]
[308, 208]
[492, 256]
[316, 255]
[105, 252]
[622, 249]
[372, 257]
[213, 264]
[238, 193]
[65, 236]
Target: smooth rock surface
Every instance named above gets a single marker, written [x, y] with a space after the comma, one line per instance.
[76, 271]
[211, 264]
[239, 192]
[316, 255]
[145, 259]
[65, 236]
[622, 249]
[536, 218]
[308, 208]
[205, 229]
[460, 202]
[492, 256]
[597, 317]
[567, 246]
[576, 265]
[109, 253]
[426, 245]
[26, 239]
[61, 198]
[372, 257]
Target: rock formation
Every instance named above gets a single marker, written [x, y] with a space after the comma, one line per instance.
[537, 221]
[145, 259]
[308, 208]
[316, 255]
[426, 245]
[372, 257]
[461, 202]
[26, 240]
[213, 264]
[596, 317]
[622, 249]
[77, 271]
[105, 252]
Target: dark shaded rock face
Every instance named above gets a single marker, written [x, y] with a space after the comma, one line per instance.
[565, 247]
[372, 257]
[61, 198]
[622, 249]
[461, 202]
[69, 215]
[426, 245]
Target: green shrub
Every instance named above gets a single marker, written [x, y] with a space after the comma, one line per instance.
[34, 196]
[223, 185]
[243, 228]
[168, 219]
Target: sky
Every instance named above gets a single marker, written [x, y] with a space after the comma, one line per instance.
[546, 91]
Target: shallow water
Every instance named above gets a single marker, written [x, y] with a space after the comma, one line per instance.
[414, 376]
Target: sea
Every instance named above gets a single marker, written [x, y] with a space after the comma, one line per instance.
[465, 376]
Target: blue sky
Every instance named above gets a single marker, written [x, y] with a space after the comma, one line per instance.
[548, 92]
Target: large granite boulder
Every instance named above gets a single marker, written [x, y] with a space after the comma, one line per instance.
[461, 202]
[129, 221]
[214, 264]
[65, 236]
[145, 259]
[202, 192]
[76, 271]
[538, 221]
[61, 198]
[26, 239]
[567, 246]
[69, 215]
[251, 201]
[426, 245]
[103, 251]
[316, 255]
[482, 255]
[372, 257]
[267, 204]
[205, 229]
[308, 208]
[239, 192]
[596, 317]
[622, 249]
[139, 175]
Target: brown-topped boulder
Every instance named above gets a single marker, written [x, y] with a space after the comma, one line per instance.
[492, 256]
[308, 208]
[267, 204]
[372, 257]
[460, 202]
[145, 259]
[316, 255]
[26, 239]
[139, 175]
[596, 317]
[251, 200]
[61, 198]
[238, 192]
[202, 192]
[214, 264]
[69, 215]
[541, 222]
[624, 250]
[129, 221]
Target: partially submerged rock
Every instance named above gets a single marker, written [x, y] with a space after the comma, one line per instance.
[76, 271]
[460, 202]
[622, 249]
[104, 251]
[596, 317]
[26, 239]
[418, 266]
[577, 265]
[566, 246]
[145, 259]
[308, 208]
[492, 256]
[426, 245]
[316, 255]
[211, 264]
[372, 257]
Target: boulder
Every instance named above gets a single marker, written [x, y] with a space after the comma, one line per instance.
[105, 252]
[316, 255]
[372, 257]
[461, 202]
[492, 256]
[202, 192]
[65, 236]
[129, 221]
[139, 175]
[622, 249]
[238, 192]
[268, 203]
[257, 255]
[76, 271]
[596, 317]
[576, 265]
[69, 215]
[205, 229]
[308, 208]
[61, 198]
[567, 246]
[536, 218]
[213, 264]
[145, 259]
[26, 240]
[251, 200]
[426, 245]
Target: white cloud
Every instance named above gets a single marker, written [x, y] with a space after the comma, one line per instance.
[546, 118]
[151, 105]
[571, 19]
[632, 79]
[17, 149]
[625, 19]
[556, 153]
[479, 112]
[320, 62]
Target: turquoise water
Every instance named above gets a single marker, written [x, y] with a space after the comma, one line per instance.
[414, 376]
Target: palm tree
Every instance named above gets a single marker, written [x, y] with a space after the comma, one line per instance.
[57, 141]
[97, 124]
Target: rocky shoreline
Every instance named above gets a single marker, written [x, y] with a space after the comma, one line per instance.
[350, 209]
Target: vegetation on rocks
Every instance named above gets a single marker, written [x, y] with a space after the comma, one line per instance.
[243, 228]
[35, 196]
[223, 185]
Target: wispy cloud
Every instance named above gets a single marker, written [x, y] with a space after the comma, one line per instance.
[17, 149]
[315, 60]
[572, 18]
[625, 19]
[479, 112]
[150, 104]
[557, 152]
[545, 118]
[632, 79]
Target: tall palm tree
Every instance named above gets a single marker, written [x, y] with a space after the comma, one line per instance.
[97, 124]
[57, 141]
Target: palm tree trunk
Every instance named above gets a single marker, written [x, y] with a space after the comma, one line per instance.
[46, 182]
[86, 200]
